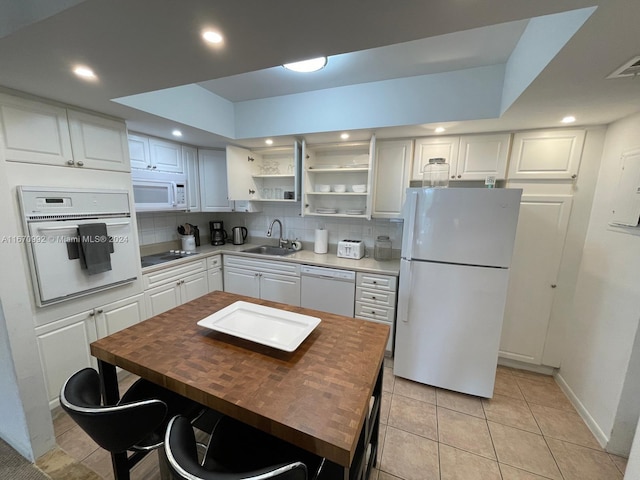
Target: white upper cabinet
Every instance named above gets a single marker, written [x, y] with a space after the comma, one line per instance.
[139, 151]
[546, 155]
[20, 118]
[64, 137]
[165, 156]
[155, 154]
[190, 160]
[98, 142]
[434, 147]
[264, 175]
[391, 177]
[480, 156]
[212, 168]
[338, 179]
[470, 157]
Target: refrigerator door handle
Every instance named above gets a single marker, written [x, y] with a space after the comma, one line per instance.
[404, 290]
[411, 210]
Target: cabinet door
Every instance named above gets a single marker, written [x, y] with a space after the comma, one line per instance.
[165, 156]
[190, 159]
[193, 286]
[542, 227]
[240, 166]
[162, 298]
[20, 118]
[215, 280]
[391, 178]
[139, 152]
[280, 288]
[434, 147]
[98, 142]
[120, 315]
[64, 349]
[548, 155]
[242, 282]
[213, 181]
[483, 155]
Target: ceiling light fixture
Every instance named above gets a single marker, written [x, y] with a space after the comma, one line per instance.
[344, 136]
[439, 130]
[212, 37]
[268, 141]
[84, 72]
[176, 133]
[306, 66]
[568, 119]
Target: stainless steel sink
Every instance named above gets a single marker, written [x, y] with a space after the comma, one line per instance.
[270, 250]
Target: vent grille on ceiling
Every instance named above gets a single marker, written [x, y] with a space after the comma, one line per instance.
[629, 69]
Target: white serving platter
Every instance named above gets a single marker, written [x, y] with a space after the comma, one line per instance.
[269, 326]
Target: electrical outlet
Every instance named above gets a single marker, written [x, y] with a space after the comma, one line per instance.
[367, 231]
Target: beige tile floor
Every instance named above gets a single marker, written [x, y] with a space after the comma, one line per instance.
[527, 431]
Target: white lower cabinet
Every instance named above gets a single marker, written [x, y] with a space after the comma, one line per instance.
[376, 301]
[64, 344]
[214, 271]
[166, 289]
[274, 281]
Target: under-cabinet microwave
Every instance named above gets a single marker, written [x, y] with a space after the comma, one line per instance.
[157, 191]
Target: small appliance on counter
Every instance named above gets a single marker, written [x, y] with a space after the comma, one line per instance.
[238, 235]
[218, 235]
[351, 249]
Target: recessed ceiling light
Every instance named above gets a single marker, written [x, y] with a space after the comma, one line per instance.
[268, 141]
[305, 66]
[439, 130]
[212, 37]
[176, 133]
[569, 119]
[84, 72]
[344, 136]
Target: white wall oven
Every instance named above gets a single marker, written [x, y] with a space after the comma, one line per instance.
[78, 241]
[157, 191]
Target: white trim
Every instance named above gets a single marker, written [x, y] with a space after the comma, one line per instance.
[602, 439]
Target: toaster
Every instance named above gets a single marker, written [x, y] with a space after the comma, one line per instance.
[351, 249]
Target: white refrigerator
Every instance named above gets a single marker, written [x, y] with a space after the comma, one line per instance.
[456, 251]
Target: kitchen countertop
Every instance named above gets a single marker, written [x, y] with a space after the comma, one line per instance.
[307, 257]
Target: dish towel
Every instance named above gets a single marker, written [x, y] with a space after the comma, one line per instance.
[95, 248]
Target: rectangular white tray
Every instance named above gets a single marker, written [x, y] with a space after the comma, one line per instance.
[265, 325]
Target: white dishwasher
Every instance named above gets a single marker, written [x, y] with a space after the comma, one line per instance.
[328, 289]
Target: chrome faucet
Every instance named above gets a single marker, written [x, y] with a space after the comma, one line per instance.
[281, 242]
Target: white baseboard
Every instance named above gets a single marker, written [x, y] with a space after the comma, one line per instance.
[508, 362]
[602, 439]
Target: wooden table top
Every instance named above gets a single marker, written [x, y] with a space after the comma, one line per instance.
[316, 397]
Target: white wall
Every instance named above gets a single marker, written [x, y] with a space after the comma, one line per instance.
[162, 226]
[601, 332]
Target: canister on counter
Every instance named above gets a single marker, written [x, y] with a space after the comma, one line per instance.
[382, 249]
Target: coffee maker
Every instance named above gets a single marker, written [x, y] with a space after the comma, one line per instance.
[218, 235]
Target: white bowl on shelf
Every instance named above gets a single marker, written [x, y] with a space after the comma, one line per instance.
[323, 188]
[359, 188]
[340, 188]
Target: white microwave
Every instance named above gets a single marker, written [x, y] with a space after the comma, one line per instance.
[157, 191]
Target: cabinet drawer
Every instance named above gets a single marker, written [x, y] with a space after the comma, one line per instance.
[376, 297]
[367, 311]
[376, 282]
[283, 268]
[170, 274]
[214, 261]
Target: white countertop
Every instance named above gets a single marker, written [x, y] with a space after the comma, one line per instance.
[307, 257]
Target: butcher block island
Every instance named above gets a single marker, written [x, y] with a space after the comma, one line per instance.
[324, 396]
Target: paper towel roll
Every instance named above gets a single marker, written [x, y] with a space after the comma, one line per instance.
[322, 241]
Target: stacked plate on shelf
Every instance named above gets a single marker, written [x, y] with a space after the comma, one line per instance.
[354, 211]
[326, 210]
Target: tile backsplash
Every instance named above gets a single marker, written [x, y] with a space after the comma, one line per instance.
[160, 227]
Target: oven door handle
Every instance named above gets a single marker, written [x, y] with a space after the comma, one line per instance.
[67, 227]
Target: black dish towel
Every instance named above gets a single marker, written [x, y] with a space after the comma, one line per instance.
[95, 248]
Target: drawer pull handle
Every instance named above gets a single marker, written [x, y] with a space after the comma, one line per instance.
[373, 298]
